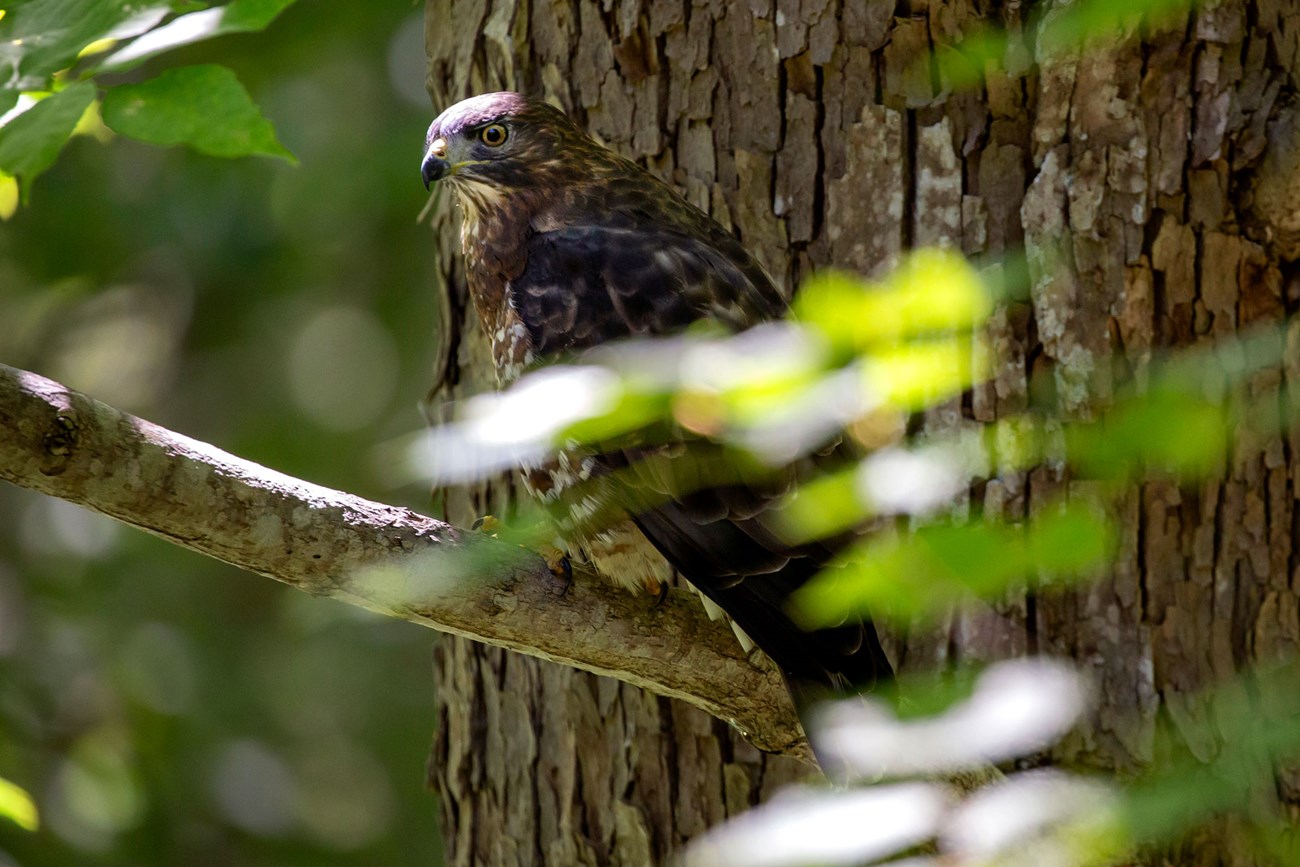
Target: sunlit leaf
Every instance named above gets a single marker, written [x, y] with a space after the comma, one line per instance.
[92, 124]
[825, 506]
[239, 16]
[41, 37]
[96, 47]
[632, 410]
[8, 195]
[1014, 708]
[17, 806]
[1165, 430]
[824, 827]
[31, 142]
[1070, 540]
[890, 481]
[926, 571]
[204, 107]
[932, 291]
[901, 577]
[1042, 816]
[753, 401]
[494, 432]
[920, 694]
[922, 373]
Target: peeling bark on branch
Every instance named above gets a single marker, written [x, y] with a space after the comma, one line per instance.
[384, 558]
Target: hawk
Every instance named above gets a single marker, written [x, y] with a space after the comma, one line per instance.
[568, 245]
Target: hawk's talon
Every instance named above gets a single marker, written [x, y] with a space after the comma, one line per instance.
[661, 595]
[488, 524]
[557, 561]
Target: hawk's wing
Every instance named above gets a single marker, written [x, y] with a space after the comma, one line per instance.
[585, 285]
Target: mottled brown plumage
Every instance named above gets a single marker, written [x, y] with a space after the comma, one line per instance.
[568, 245]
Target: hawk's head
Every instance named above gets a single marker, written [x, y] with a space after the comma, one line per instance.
[502, 141]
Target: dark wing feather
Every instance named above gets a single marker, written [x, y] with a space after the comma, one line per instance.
[584, 285]
[720, 539]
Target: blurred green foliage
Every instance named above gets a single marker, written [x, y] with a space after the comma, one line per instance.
[918, 575]
[161, 708]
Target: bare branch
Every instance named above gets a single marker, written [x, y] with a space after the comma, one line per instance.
[387, 559]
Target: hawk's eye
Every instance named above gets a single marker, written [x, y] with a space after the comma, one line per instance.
[493, 135]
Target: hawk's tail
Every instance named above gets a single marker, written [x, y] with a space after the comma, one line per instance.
[743, 568]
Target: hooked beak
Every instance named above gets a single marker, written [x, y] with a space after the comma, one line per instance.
[435, 165]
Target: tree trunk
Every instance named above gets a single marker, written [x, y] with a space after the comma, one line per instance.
[1152, 187]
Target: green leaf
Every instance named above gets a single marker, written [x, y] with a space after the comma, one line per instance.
[932, 291]
[1165, 430]
[17, 806]
[825, 505]
[240, 16]
[204, 107]
[1071, 540]
[919, 373]
[41, 37]
[922, 573]
[30, 142]
[632, 411]
[8, 196]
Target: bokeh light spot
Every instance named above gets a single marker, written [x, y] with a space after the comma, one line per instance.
[96, 793]
[58, 527]
[157, 668]
[254, 789]
[343, 368]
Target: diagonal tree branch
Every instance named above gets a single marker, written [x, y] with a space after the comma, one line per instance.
[384, 558]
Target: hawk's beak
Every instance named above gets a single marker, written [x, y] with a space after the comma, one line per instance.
[435, 165]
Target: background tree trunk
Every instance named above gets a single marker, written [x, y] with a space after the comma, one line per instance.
[1139, 179]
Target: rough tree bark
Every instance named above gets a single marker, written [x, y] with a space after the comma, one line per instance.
[1152, 184]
